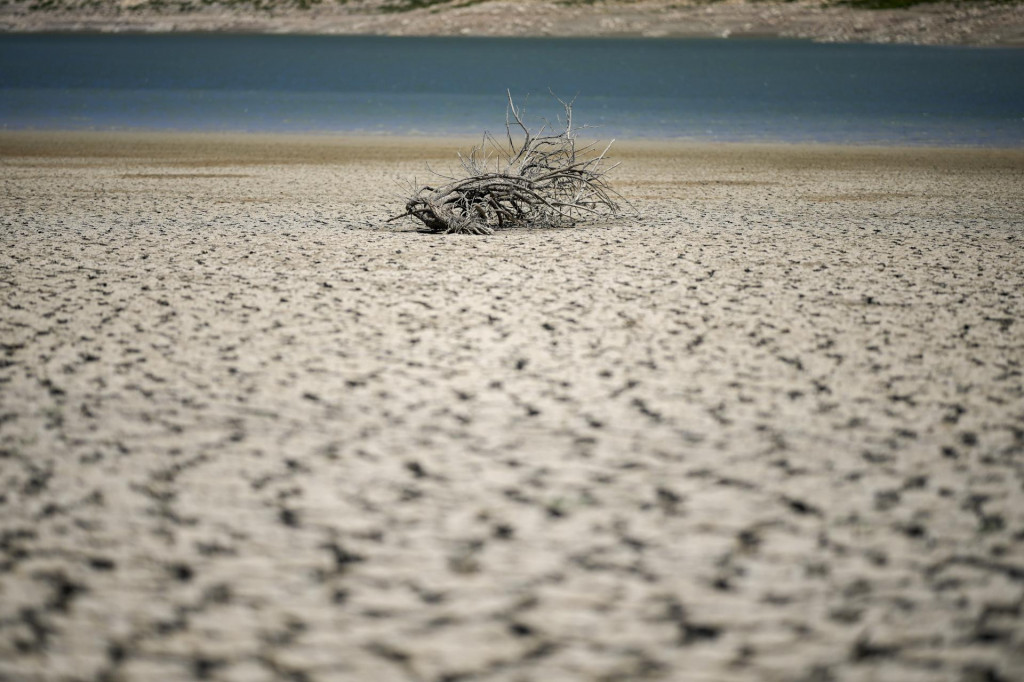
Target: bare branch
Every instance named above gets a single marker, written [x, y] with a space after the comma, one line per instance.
[544, 181]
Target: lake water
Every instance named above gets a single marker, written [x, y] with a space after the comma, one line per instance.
[730, 90]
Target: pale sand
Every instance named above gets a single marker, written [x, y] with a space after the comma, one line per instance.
[773, 430]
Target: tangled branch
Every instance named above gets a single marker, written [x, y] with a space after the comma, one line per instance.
[540, 180]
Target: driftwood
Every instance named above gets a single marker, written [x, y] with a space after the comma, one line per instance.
[531, 179]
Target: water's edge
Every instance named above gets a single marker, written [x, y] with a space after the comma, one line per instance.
[737, 91]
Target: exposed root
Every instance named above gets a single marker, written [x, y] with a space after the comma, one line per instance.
[541, 180]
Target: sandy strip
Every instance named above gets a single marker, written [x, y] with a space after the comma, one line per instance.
[773, 430]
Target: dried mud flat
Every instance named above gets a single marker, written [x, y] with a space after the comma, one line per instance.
[248, 431]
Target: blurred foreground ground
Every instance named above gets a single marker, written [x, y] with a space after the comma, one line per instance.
[771, 430]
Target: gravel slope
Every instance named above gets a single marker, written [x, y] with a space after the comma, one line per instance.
[944, 23]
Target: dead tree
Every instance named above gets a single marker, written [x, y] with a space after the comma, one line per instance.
[531, 179]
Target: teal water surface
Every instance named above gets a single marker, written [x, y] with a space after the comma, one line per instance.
[732, 90]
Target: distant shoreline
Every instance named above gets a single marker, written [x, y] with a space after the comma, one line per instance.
[286, 148]
[973, 24]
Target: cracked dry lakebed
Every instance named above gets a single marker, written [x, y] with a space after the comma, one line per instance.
[770, 429]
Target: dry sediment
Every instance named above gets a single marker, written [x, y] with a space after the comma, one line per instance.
[953, 23]
[250, 431]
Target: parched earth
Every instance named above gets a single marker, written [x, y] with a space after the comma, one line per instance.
[996, 22]
[773, 429]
